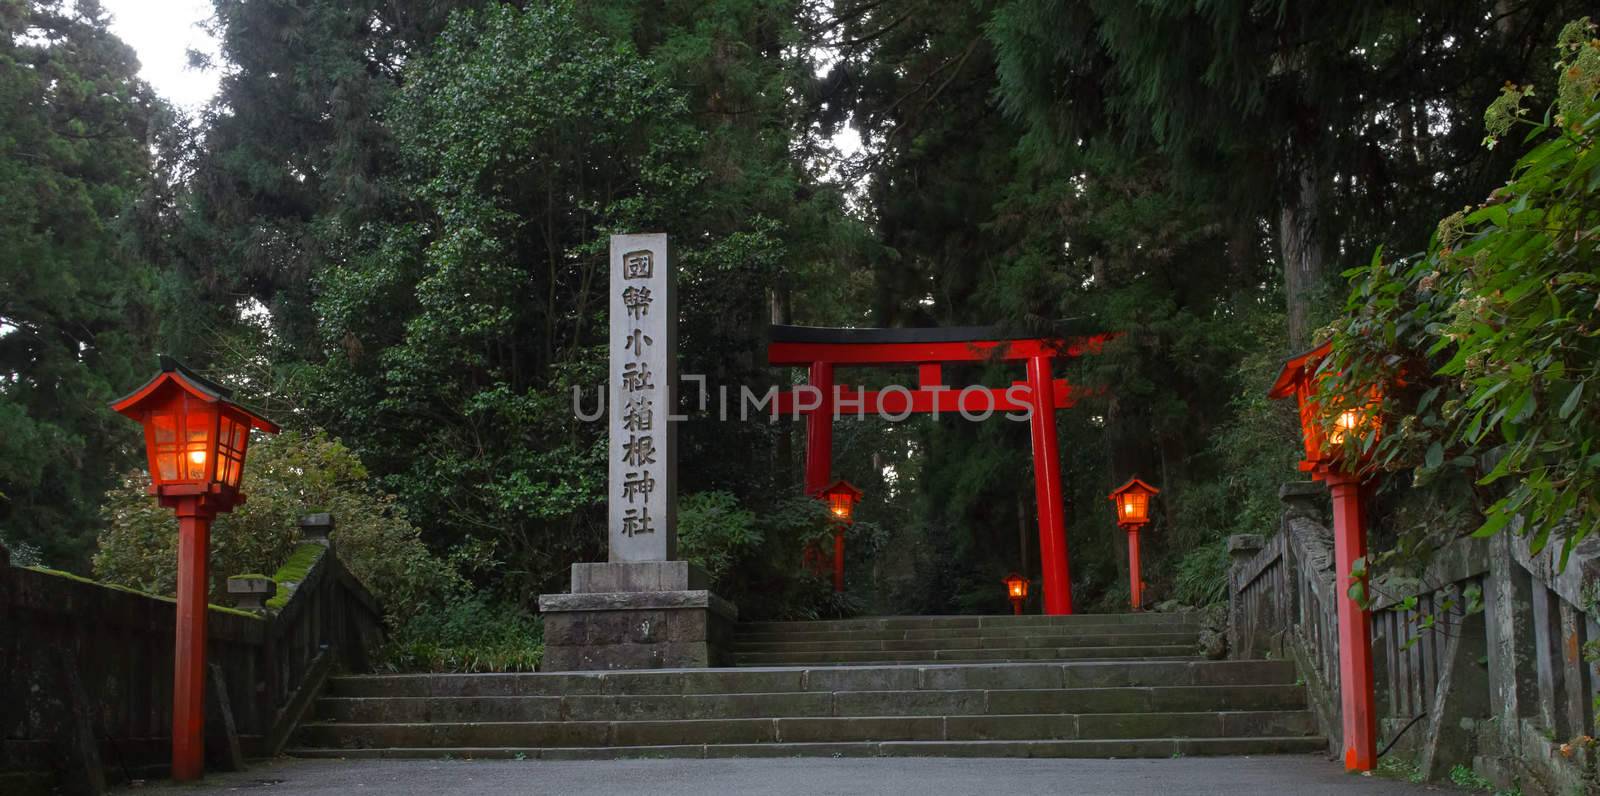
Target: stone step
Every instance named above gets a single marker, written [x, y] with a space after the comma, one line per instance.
[787, 658]
[829, 729]
[1065, 674]
[377, 710]
[959, 633]
[967, 642]
[1109, 748]
[967, 621]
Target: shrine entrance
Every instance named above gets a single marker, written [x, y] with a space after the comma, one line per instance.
[1038, 396]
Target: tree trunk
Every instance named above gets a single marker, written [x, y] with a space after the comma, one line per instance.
[1300, 243]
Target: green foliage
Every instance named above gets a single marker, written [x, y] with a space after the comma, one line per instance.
[1490, 336]
[1202, 577]
[1397, 767]
[1464, 777]
[714, 531]
[288, 476]
[467, 633]
[75, 292]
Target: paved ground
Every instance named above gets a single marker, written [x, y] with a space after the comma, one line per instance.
[1234, 776]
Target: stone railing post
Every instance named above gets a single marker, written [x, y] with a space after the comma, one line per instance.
[316, 528]
[251, 592]
[1308, 499]
[1242, 549]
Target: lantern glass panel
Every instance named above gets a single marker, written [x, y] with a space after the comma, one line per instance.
[1135, 505]
[230, 450]
[840, 503]
[197, 441]
[164, 435]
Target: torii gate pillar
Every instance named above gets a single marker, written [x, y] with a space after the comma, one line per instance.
[1047, 488]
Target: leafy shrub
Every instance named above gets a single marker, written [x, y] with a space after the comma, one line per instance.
[23, 554]
[468, 633]
[1493, 328]
[765, 573]
[714, 531]
[288, 476]
[1203, 575]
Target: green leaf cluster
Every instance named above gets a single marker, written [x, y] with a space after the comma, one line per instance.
[1488, 340]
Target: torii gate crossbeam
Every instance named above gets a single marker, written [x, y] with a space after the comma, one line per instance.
[820, 349]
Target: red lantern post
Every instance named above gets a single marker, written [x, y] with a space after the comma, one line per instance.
[1326, 461]
[841, 497]
[1132, 501]
[195, 440]
[1017, 591]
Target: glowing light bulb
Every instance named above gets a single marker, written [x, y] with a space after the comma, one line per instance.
[198, 457]
[1127, 509]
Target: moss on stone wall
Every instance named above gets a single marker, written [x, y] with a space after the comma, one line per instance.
[293, 571]
[81, 579]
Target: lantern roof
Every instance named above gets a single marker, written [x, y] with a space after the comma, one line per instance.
[1295, 370]
[1134, 483]
[174, 373]
[1013, 575]
[841, 486]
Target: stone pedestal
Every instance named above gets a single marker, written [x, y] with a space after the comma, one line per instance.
[636, 615]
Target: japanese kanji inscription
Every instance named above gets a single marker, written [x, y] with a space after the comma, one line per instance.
[644, 374]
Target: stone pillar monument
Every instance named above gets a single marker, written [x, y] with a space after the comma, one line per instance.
[641, 609]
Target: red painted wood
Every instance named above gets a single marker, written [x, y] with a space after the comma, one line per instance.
[857, 403]
[1047, 490]
[189, 654]
[930, 374]
[1135, 583]
[819, 431]
[1356, 693]
[917, 353]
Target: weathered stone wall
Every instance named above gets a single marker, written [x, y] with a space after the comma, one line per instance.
[79, 657]
[1478, 659]
[86, 672]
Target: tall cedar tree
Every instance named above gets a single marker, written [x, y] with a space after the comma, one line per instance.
[74, 294]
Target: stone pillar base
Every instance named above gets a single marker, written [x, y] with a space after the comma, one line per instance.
[641, 615]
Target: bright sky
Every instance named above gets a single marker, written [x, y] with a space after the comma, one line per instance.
[163, 32]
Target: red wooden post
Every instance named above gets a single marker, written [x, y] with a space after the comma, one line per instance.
[1135, 583]
[1356, 692]
[1047, 488]
[189, 654]
[819, 431]
[195, 441]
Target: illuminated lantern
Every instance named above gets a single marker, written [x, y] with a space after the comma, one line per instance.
[1016, 591]
[1132, 501]
[841, 498]
[1324, 430]
[1325, 433]
[195, 440]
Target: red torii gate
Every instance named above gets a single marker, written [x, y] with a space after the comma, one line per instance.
[820, 349]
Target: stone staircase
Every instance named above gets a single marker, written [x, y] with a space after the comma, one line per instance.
[967, 639]
[1033, 686]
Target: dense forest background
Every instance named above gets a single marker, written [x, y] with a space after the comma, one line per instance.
[388, 232]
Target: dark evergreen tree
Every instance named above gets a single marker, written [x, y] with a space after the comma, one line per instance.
[75, 295]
